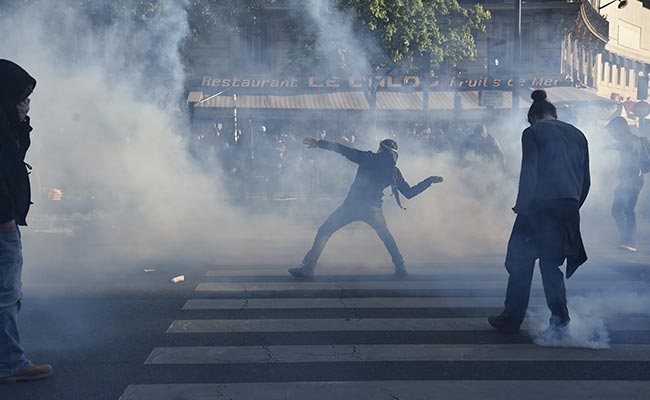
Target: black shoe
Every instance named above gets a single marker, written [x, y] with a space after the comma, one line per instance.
[504, 324]
[558, 322]
[400, 272]
[303, 273]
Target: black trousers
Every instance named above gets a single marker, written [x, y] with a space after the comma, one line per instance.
[346, 214]
[543, 235]
[626, 196]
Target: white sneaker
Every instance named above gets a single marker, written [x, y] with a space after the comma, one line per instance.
[627, 247]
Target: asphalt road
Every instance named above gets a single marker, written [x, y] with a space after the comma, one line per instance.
[99, 332]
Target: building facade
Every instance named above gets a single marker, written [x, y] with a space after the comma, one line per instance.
[585, 56]
[619, 65]
[627, 54]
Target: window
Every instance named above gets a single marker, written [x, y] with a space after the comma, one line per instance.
[252, 45]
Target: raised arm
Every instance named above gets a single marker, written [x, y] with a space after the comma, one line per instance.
[354, 155]
[24, 129]
[411, 191]
[528, 175]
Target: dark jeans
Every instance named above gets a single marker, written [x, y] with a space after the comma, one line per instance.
[346, 214]
[542, 235]
[625, 198]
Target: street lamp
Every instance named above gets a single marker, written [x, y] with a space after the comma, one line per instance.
[621, 4]
[516, 55]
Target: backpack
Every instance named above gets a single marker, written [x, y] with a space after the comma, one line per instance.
[644, 154]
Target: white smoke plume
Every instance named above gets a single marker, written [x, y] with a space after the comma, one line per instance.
[111, 132]
[589, 314]
[336, 42]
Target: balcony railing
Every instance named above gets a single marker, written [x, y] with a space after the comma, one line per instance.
[595, 22]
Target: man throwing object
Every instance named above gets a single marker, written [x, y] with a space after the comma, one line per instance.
[363, 203]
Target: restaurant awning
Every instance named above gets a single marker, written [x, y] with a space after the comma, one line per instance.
[317, 101]
[392, 101]
[571, 95]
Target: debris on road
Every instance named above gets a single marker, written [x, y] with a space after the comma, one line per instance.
[177, 279]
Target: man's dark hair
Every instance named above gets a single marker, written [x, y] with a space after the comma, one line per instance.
[540, 106]
[389, 143]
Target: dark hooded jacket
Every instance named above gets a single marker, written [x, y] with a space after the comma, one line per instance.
[15, 195]
[376, 172]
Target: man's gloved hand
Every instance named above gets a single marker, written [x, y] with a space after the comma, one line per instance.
[23, 109]
[435, 179]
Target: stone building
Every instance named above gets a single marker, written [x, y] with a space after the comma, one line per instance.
[626, 57]
[584, 56]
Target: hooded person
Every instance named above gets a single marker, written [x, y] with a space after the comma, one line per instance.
[553, 185]
[376, 172]
[16, 85]
[484, 145]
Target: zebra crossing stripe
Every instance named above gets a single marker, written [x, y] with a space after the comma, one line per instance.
[391, 390]
[389, 353]
[349, 302]
[496, 269]
[365, 324]
[461, 284]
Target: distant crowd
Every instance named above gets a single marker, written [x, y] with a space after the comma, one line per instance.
[273, 160]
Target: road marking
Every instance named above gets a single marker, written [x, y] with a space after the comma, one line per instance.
[389, 353]
[350, 302]
[424, 271]
[391, 390]
[365, 324]
[461, 284]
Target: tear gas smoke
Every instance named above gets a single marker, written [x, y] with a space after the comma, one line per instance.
[111, 132]
[589, 313]
[338, 46]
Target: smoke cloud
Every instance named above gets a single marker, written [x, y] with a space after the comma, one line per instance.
[337, 44]
[588, 327]
[111, 131]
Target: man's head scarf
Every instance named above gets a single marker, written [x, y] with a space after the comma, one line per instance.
[391, 146]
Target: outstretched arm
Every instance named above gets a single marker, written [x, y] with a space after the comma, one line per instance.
[411, 191]
[24, 129]
[354, 155]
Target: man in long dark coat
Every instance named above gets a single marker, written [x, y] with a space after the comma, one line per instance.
[376, 172]
[553, 185]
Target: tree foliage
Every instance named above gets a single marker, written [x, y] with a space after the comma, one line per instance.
[408, 29]
[405, 29]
